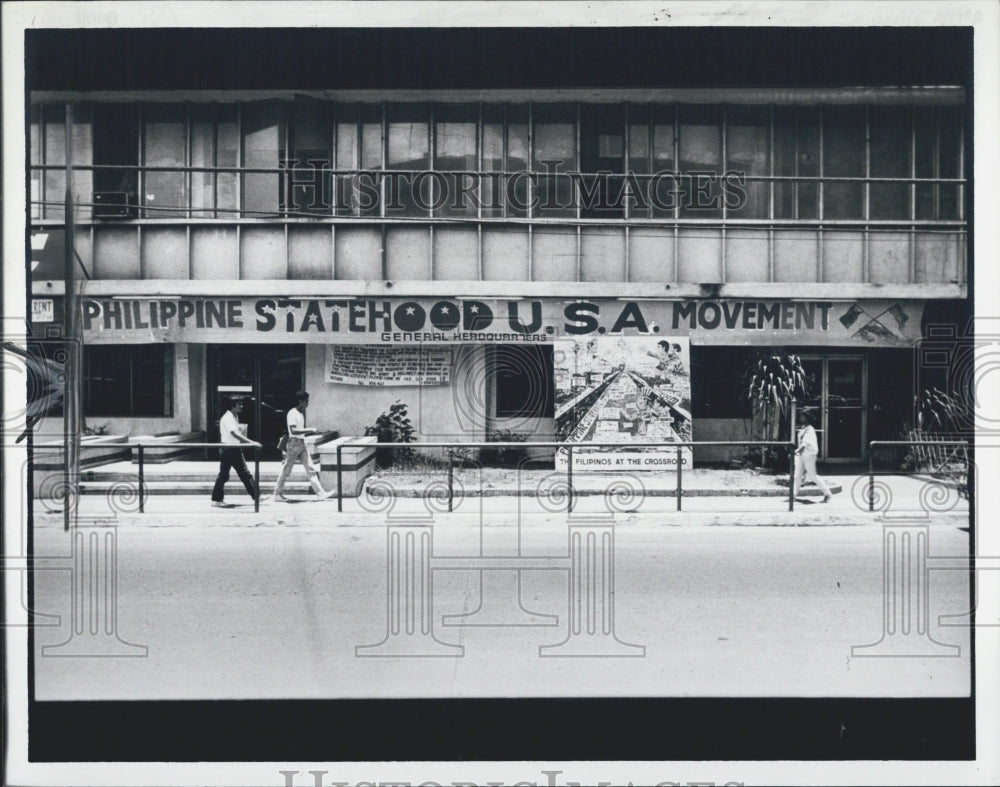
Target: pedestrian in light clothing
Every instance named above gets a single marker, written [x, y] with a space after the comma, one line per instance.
[805, 457]
[231, 455]
[296, 450]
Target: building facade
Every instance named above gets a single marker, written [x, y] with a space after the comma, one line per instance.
[439, 247]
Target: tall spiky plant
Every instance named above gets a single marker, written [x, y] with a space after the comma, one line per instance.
[771, 382]
[938, 411]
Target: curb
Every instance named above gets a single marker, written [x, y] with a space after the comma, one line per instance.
[763, 492]
[270, 518]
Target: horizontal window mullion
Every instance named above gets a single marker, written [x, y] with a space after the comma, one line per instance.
[493, 173]
[275, 218]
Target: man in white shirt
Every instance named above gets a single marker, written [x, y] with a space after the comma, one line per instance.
[805, 457]
[231, 456]
[298, 451]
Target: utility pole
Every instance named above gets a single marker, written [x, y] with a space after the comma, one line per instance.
[71, 389]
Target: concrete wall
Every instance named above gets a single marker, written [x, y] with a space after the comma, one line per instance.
[196, 377]
[719, 429]
[557, 253]
[440, 412]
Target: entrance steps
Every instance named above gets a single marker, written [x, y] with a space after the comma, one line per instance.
[185, 478]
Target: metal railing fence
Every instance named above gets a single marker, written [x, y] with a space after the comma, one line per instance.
[141, 470]
[452, 448]
[874, 445]
[568, 449]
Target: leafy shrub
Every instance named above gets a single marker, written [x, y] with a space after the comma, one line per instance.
[504, 456]
[939, 412]
[770, 383]
[393, 426]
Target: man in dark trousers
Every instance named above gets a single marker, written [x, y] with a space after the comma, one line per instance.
[231, 455]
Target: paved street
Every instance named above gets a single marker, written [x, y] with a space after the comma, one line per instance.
[274, 606]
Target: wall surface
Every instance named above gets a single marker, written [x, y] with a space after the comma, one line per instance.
[555, 253]
[438, 412]
[719, 429]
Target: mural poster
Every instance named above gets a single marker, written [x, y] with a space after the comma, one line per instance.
[623, 391]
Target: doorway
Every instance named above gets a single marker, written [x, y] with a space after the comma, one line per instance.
[522, 390]
[269, 375]
[837, 386]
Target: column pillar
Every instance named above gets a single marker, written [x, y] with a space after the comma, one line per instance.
[94, 599]
[591, 597]
[905, 596]
[409, 598]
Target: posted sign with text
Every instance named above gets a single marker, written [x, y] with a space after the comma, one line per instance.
[623, 391]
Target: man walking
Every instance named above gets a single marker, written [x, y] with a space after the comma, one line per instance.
[805, 457]
[298, 451]
[231, 455]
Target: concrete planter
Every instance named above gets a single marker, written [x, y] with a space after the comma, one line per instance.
[316, 441]
[357, 463]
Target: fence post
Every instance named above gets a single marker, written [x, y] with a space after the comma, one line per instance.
[679, 483]
[791, 461]
[340, 479]
[142, 482]
[791, 477]
[871, 476]
[569, 479]
[256, 479]
[970, 481]
[451, 477]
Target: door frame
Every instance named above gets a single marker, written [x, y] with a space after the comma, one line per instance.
[825, 403]
[211, 384]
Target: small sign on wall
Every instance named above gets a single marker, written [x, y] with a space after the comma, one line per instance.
[43, 310]
[382, 366]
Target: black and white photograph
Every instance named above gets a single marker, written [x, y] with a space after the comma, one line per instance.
[500, 393]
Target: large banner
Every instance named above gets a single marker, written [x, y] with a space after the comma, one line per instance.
[623, 390]
[857, 323]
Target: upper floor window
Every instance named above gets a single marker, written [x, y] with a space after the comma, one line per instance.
[116, 158]
[308, 168]
[562, 161]
[263, 145]
[47, 143]
[652, 142]
[456, 145]
[165, 188]
[602, 161]
[700, 154]
[748, 151]
[214, 155]
[408, 152]
[553, 157]
[795, 160]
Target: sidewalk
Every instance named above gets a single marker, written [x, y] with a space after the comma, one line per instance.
[711, 497]
[699, 482]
